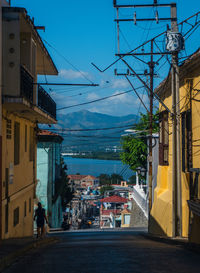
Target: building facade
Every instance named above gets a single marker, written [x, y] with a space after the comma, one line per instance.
[163, 217]
[24, 106]
[49, 176]
[83, 181]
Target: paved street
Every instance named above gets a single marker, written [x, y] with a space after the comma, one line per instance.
[107, 251]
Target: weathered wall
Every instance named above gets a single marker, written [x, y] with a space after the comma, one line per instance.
[18, 180]
[138, 219]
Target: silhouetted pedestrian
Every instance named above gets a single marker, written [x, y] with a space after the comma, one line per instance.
[40, 217]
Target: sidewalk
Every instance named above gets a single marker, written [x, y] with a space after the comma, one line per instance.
[178, 241]
[11, 249]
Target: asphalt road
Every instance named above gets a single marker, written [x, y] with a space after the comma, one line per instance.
[103, 252]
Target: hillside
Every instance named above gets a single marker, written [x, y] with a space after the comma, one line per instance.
[92, 140]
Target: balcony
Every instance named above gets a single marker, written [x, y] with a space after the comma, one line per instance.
[46, 103]
[30, 102]
[26, 85]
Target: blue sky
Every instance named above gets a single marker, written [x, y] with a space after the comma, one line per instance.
[85, 32]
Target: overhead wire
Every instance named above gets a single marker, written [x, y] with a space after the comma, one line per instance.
[67, 61]
[97, 100]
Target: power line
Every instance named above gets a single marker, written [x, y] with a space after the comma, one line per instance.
[61, 55]
[88, 129]
[97, 100]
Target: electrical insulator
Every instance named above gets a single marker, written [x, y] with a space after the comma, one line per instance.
[174, 41]
[157, 20]
[134, 18]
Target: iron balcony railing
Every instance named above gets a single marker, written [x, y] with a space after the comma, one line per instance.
[46, 103]
[26, 82]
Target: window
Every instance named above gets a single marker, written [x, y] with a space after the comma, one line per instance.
[29, 204]
[186, 140]
[6, 218]
[16, 143]
[8, 129]
[25, 141]
[16, 216]
[163, 138]
[24, 208]
[127, 219]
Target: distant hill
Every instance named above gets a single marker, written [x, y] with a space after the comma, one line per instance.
[90, 120]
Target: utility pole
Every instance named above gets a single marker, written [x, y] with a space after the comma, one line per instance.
[151, 68]
[176, 155]
[151, 65]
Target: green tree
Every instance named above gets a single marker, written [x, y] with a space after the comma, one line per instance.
[105, 188]
[64, 190]
[135, 146]
[132, 180]
[104, 179]
[116, 178]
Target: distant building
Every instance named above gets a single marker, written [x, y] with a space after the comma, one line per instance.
[83, 181]
[110, 211]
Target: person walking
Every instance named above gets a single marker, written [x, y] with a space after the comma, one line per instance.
[40, 217]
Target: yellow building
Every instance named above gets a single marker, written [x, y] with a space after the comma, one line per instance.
[24, 106]
[162, 220]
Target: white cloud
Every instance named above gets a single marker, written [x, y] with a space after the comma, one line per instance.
[72, 74]
[119, 83]
[93, 96]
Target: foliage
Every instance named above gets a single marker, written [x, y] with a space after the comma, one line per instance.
[63, 189]
[135, 146]
[132, 180]
[105, 188]
[106, 179]
[116, 178]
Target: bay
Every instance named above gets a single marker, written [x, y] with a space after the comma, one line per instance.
[95, 167]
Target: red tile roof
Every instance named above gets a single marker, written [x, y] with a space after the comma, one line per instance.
[48, 136]
[46, 133]
[76, 176]
[79, 176]
[114, 199]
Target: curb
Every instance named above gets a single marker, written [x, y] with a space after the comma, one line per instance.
[173, 241]
[10, 258]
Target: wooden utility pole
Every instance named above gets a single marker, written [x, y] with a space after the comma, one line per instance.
[151, 69]
[151, 65]
[176, 155]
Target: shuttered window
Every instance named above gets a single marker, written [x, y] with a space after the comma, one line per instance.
[186, 140]
[25, 141]
[31, 144]
[163, 138]
[16, 216]
[16, 143]
[8, 129]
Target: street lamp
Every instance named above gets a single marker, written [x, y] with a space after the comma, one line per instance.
[138, 170]
[143, 172]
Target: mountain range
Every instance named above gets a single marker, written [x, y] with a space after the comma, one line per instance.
[92, 139]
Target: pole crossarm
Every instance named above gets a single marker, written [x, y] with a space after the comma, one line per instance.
[142, 54]
[155, 4]
[145, 43]
[144, 19]
[67, 84]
